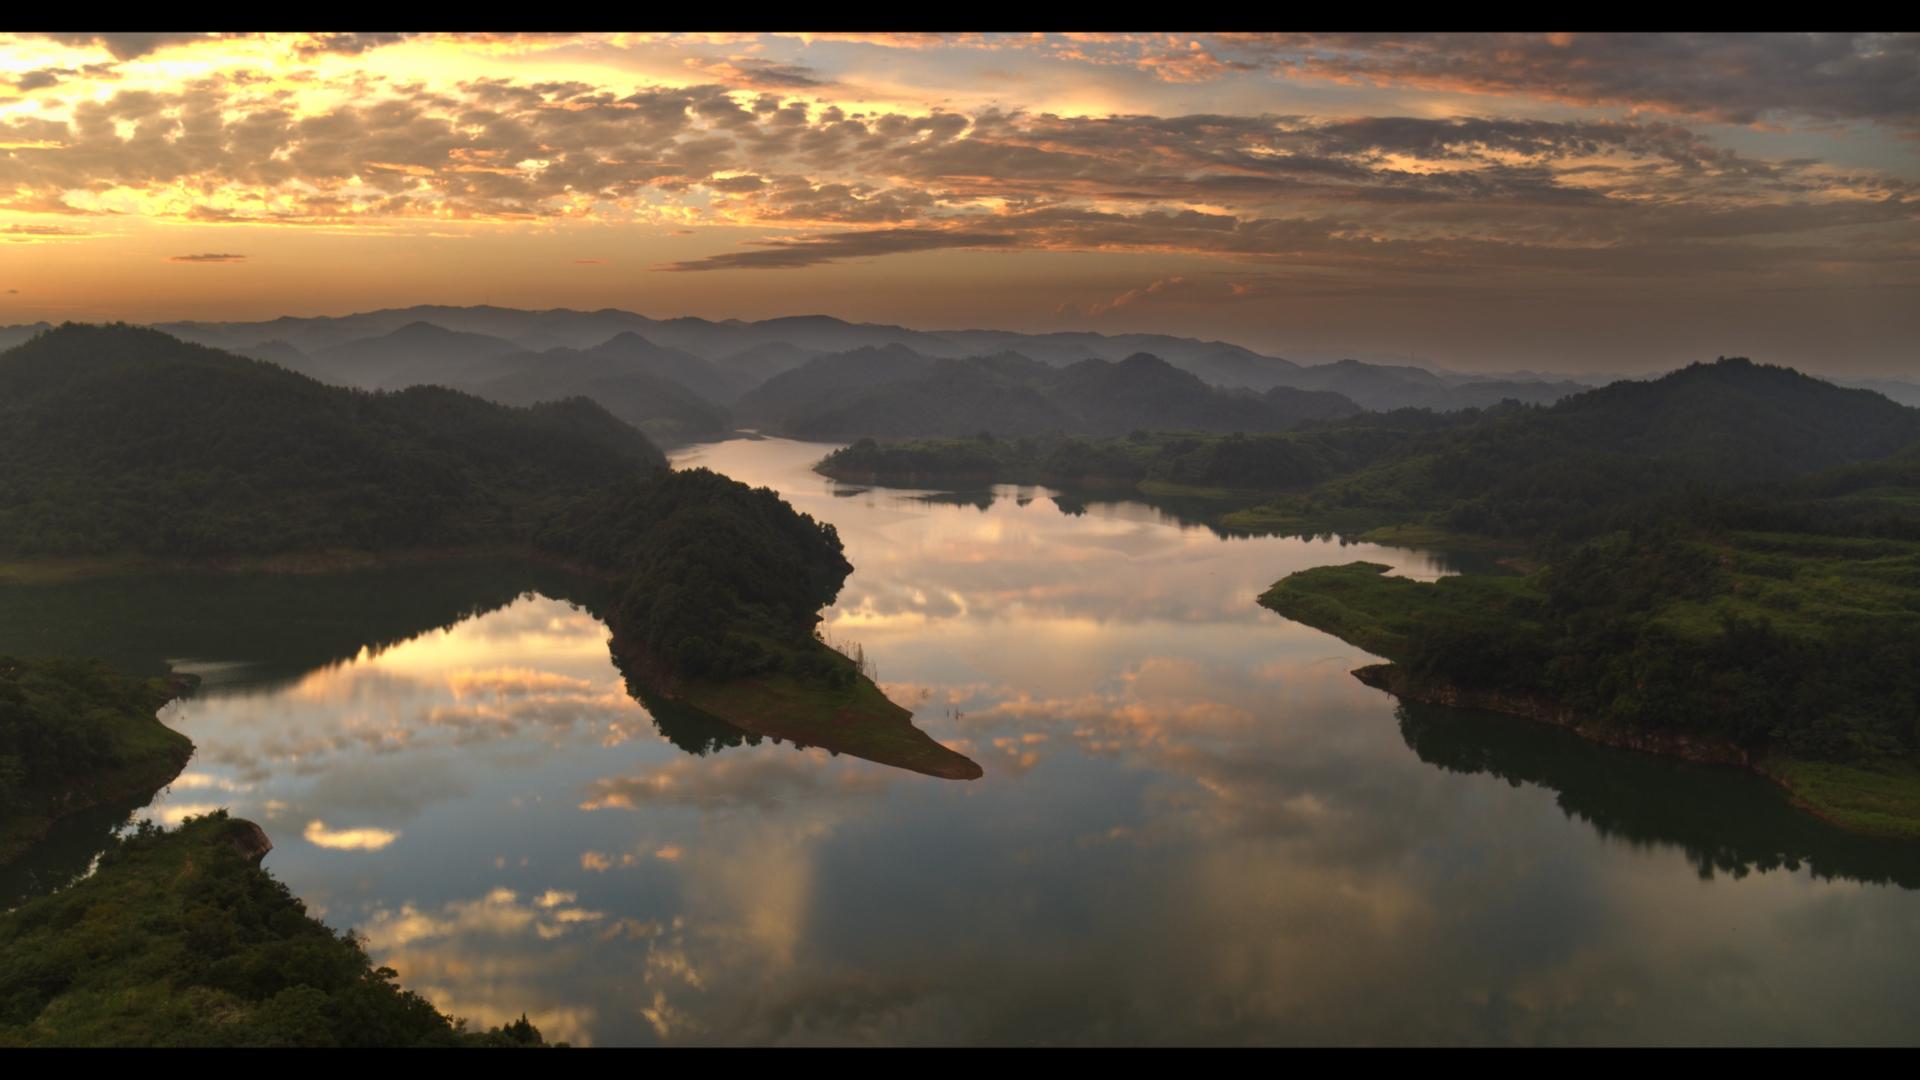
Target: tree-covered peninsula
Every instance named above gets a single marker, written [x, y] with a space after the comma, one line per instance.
[123, 448]
[1723, 564]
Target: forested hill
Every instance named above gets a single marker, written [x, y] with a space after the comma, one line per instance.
[1631, 448]
[119, 439]
[131, 446]
[894, 394]
[1724, 565]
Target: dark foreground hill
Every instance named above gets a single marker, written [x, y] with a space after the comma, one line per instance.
[672, 395]
[181, 939]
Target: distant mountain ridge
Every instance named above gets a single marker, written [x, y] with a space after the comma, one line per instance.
[672, 395]
[746, 354]
[753, 352]
[896, 393]
[1709, 429]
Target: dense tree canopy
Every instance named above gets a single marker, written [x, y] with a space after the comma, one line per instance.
[1730, 552]
[181, 939]
[720, 580]
[117, 439]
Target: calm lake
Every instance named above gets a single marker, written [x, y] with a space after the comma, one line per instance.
[1195, 826]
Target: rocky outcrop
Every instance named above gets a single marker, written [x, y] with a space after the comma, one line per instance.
[249, 839]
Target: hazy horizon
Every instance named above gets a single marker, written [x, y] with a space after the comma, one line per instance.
[1624, 369]
[1555, 202]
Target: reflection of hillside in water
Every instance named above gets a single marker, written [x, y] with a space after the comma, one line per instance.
[696, 732]
[1726, 821]
[259, 634]
[65, 853]
[1126, 503]
[262, 631]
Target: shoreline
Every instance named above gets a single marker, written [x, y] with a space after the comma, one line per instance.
[860, 721]
[53, 570]
[1527, 705]
[125, 783]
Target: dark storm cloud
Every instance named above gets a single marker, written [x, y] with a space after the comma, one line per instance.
[756, 74]
[41, 79]
[1734, 77]
[832, 247]
[345, 44]
[127, 46]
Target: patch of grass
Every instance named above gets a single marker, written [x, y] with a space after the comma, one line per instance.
[1807, 585]
[1170, 489]
[1433, 536]
[1882, 799]
[856, 719]
[1286, 518]
[1363, 605]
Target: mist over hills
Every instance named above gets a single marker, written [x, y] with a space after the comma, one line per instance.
[667, 410]
[745, 355]
[119, 438]
[15, 335]
[684, 379]
[837, 397]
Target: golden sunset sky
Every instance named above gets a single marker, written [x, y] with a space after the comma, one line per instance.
[1551, 201]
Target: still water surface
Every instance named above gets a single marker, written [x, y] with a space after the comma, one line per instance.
[1195, 825]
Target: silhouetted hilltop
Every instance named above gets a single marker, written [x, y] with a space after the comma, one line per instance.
[417, 354]
[1707, 429]
[895, 394]
[636, 354]
[755, 365]
[753, 352]
[825, 382]
[667, 411]
[117, 438]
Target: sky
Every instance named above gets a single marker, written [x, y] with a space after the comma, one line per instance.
[1554, 202]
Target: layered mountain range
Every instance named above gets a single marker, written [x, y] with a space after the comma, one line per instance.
[686, 379]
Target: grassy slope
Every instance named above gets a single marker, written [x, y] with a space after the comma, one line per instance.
[857, 720]
[1363, 605]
